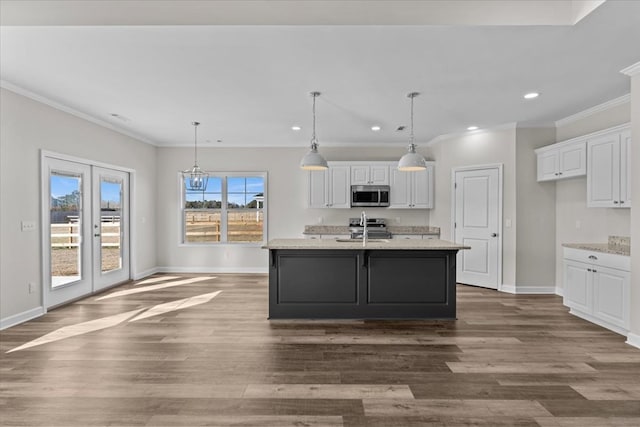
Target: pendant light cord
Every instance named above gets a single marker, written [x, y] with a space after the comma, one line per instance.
[411, 135]
[195, 125]
[313, 134]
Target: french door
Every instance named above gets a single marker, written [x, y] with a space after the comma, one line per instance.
[85, 229]
[477, 223]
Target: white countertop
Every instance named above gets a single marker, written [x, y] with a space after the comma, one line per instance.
[391, 244]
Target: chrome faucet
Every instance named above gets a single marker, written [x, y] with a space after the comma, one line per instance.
[365, 232]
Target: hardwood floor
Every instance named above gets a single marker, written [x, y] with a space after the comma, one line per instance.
[170, 351]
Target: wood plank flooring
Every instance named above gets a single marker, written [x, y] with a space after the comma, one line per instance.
[170, 351]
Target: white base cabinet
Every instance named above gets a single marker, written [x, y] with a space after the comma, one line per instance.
[597, 287]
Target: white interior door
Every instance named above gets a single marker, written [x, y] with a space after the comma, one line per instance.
[66, 201]
[86, 229]
[477, 224]
[110, 228]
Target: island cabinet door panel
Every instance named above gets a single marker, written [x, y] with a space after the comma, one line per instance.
[317, 278]
[415, 279]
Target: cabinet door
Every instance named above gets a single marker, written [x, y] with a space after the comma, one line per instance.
[611, 295]
[572, 160]
[400, 189]
[625, 169]
[422, 189]
[603, 176]
[379, 175]
[318, 189]
[359, 175]
[578, 283]
[548, 165]
[339, 190]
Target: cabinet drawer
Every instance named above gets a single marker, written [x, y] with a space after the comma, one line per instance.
[619, 262]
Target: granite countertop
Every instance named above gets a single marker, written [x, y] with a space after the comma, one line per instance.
[393, 229]
[400, 244]
[601, 247]
[617, 245]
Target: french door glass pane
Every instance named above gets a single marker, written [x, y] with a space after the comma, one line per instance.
[66, 225]
[110, 224]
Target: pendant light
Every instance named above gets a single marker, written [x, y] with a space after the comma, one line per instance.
[195, 178]
[314, 160]
[412, 161]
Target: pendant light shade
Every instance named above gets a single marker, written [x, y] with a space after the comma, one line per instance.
[412, 161]
[195, 179]
[314, 160]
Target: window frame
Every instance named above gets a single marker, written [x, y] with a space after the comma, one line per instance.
[224, 210]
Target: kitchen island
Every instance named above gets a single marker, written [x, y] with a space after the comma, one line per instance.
[385, 279]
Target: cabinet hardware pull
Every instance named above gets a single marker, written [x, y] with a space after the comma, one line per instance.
[615, 202]
[494, 234]
[595, 271]
[588, 269]
[621, 201]
[593, 257]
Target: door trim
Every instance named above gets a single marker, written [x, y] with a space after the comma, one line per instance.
[499, 167]
[44, 203]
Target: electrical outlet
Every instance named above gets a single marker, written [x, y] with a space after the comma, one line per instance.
[30, 287]
[578, 224]
[28, 225]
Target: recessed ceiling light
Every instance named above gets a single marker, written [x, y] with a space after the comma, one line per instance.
[531, 95]
[375, 128]
[472, 128]
[296, 128]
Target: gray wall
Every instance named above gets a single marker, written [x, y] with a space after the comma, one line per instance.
[28, 127]
[634, 335]
[535, 213]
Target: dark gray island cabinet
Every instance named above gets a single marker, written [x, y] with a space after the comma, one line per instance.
[410, 279]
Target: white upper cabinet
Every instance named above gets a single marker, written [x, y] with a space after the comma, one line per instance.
[370, 174]
[608, 177]
[411, 190]
[562, 160]
[330, 188]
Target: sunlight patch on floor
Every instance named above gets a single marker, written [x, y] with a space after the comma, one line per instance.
[156, 280]
[79, 329]
[155, 287]
[176, 305]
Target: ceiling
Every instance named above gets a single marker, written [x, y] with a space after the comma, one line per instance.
[249, 84]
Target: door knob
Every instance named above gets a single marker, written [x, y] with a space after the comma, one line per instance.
[494, 234]
[96, 235]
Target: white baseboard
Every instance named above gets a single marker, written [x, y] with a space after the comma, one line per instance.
[633, 339]
[16, 319]
[560, 291]
[238, 270]
[523, 290]
[145, 273]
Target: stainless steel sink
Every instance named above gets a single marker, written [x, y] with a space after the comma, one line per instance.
[360, 240]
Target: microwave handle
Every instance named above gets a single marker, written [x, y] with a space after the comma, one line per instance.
[379, 197]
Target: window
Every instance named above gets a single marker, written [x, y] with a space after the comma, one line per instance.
[230, 209]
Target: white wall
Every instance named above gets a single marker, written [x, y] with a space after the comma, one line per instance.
[28, 127]
[287, 211]
[595, 224]
[478, 148]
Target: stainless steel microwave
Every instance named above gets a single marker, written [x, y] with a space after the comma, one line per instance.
[369, 195]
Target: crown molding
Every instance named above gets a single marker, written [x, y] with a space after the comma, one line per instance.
[632, 70]
[64, 108]
[448, 136]
[593, 110]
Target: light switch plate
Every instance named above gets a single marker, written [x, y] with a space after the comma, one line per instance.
[28, 225]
